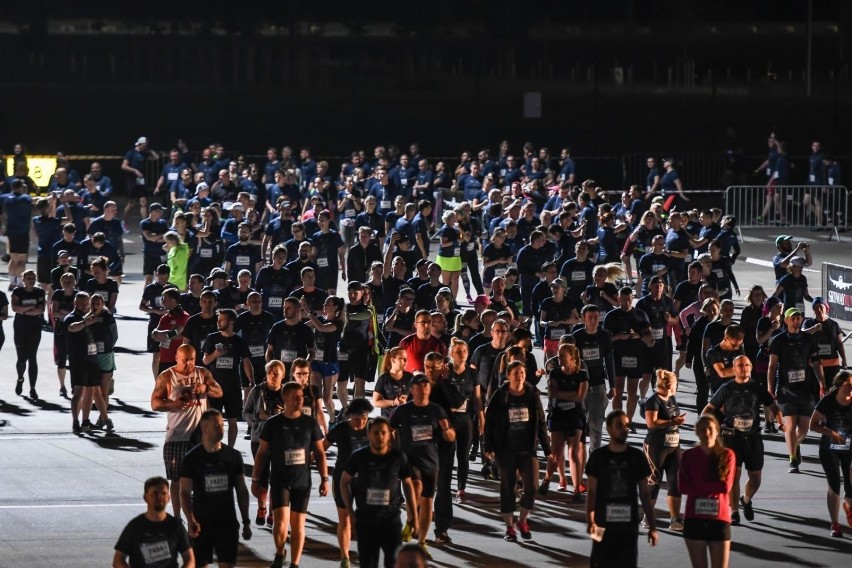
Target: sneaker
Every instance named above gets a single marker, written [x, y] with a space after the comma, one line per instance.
[510, 535]
[86, 425]
[260, 519]
[524, 529]
[100, 424]
[577, 497]
[582, 488]
[563, 487]
[544, 488]
[109, 425]
[6, 257]
[676, 524]
[748, 509]
[33, 395]
[495, 473]
[645, 523]
[406, 532]
[735, 518]
[794, 468]
[487, 473]
[426, 552]
[836, 531]
[443, 538]
[472, 456]
[799, 455]
[75, 427]
[63, 392]
[345, 563]
[19, 386]
[758, 218]
[773, 428]
[460, 496]
[270, 520]
[848, 510]
[279, 561]
[767, 429]
[126, 231]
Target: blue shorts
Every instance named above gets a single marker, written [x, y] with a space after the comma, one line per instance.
[325, 369]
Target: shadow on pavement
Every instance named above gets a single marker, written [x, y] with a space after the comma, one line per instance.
[14, 409]
[770, 555]
[118, 442]
[118, 405]
[50, 406]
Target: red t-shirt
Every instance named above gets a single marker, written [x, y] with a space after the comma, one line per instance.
[416, 349]
[707, 495]
[168, 349]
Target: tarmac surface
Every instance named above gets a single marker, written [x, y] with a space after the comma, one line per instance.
[65, 498]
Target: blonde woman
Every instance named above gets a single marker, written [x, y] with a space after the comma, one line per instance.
[177, 257]
[449, 254]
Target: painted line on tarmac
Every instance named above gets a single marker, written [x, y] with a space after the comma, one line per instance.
[768, 263]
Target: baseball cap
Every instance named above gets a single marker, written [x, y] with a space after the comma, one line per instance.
[782, 238]
[557, 283]
[202, 185]
[790, 312]
[797, 261]
[819, 300]
[141, 140]
[482, 299]
[218, 274]
[403, 238]
[155, 207]
[354, 285]
[703, 257]
[63, 253]
[419, 379]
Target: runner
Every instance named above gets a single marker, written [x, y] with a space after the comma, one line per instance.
[28, 303]
[393, 384]
[595, 346]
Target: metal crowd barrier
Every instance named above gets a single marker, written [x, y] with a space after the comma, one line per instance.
[794, 206]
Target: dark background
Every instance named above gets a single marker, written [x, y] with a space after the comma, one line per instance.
[697, 77]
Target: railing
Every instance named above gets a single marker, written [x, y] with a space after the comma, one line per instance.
[797, 206]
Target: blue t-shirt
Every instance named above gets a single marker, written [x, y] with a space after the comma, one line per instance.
[667, 182]
[159, 227]
[49, 230]
[135, 159]
[18, 208]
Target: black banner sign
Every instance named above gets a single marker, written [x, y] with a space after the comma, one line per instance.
[837, 290]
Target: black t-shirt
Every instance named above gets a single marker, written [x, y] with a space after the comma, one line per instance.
[419, 432]
[150, 544]
[825, 338]
[390, 389]
[328, 341]
[31, 299]
[254, 329]
[563, 382]
[838, 418]
[522, 421]
[556, 311]
[197, 330]
[377, 490]
[81, 345]
[274, 285]
[667, 436]
[594, 349]
[214, 477]
[152, 295]
[190, 303]
[740, 405]
[65, 303]
[290, 341]
[618, 475]
[794, 352]
[291, 441]
[655, 311]
[226, 367]
[347, 440]
[103, 290]
[686, 293]
[718, 355]
[464, 383]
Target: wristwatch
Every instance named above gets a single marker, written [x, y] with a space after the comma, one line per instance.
[324, 478]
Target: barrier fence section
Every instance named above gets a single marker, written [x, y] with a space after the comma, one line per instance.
[823, 207]
[837, 289]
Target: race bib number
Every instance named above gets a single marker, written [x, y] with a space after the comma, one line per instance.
[163, 344]
[556, 334]
[519, 415]
[172, 176]
[796, 376]
[831, 181]
[350, 213]
[707, 506]
[92, 349]
[158, 302]
[205, 253]
[657, 267]
[629, 362]
[471, 246]
[456, 251]
[378, 497]
[578, 276]
[617, 513]
[28, 302]
[824, 349]
[99, 346]
[743, 423]
[322, 262]
[719, 273]
[842, 447]
[403, 182]
[287, 355]
[216, 483]
[591, 353]
[500, 272]
[276, 301]
[257, 350]
[242, 260]
[342, 356]
[320, 354]
[421, 432]
[566, 405]
[155, 552]
[225, 363]
[657, 333]
[811, 178]
[672, 439]
[307, 411]
[385, 204]
[294, 457]
[460, 409]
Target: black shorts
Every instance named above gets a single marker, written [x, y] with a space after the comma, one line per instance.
[134, 190]
[712, 530]
[355, 364]
[629, 363]
[18, 244]
[85, 373]
[659, 356]
[173, 453]
[230, 404]
[795, 403]
[429, 479]
[150, 264]
[335, 486]
[566, 422]
[296, 498]
[748, 449]
[43, 268]
[60, 345]
[219, 537]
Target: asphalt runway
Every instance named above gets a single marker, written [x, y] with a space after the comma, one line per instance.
[65, 498]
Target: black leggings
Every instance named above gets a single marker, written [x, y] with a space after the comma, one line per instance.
[376, 535]
[509, 462]
[831, 463]
[463, 425]
[27, 339]
[663, 460]
[263, 481]
[701, 385]
[471, 262]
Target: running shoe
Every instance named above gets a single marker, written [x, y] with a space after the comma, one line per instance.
[510, 535]
[443, 538]
[126, 230]
[563, 487]
[676, 524]
[794, 467]
[109, 425]
[345, 563]
[645, 523]
[19, 386]
[460, 496]
[63, 392]
[735, 518]
[748, 509]
[279, 561]
[426, 552]
[582, 488]
[86, 426]
[487, 473]
[836, 531]
[472, 456]
[33, 395]
[270, 520]
[100, 424]
[773, 428]
[758, 219]
[260, 519]
[848, 510]
[577, 497]
[524, 529]
[406, 532]
[75, 427]
[799, 455]
[544, 488]
[767, 429]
